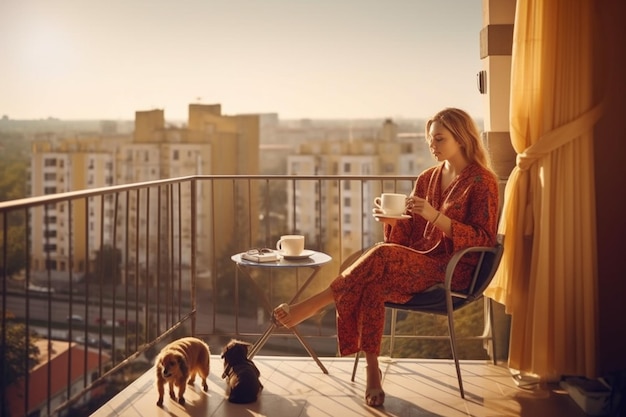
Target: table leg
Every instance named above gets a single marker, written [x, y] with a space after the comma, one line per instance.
[312, 353]
[258, 345]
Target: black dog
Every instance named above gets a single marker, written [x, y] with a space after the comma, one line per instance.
[241, 374]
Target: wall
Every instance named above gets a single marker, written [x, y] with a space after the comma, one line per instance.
[610, 160]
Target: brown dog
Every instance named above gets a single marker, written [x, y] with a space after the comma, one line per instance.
[241, 374]
[178, 363]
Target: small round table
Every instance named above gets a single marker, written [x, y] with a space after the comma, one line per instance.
[314, 262]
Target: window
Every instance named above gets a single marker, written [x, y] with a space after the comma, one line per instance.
[50, 190]
[50, 162]
[50, 176]
[347, 167]
[347, 201]
[175, 155]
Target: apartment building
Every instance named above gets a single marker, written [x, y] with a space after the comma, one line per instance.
[59, 166]
[211, 143]
[387, 153]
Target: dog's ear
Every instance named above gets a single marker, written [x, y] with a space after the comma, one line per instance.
[182, 365]
[161, 361]
[225, 350]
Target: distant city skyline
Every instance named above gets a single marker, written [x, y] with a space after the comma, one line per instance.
[323, 59]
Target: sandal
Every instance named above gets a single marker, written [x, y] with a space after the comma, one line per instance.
[375, 397]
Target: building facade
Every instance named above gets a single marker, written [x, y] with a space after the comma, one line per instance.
[211, 143]
[385, 153]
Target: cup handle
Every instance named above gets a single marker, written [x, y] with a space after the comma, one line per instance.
[378, 203]
[278, 245]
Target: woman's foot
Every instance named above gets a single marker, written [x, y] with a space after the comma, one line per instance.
[290, 316]
[374, 394]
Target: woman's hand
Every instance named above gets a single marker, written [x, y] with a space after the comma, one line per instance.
[418, 205]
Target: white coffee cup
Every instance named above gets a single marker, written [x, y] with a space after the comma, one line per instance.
[391, 203]
[290, 245]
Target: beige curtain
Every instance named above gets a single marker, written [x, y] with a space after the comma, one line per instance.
[547, 278]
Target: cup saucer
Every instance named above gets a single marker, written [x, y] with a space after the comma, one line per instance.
[389, 216]
[305, 254]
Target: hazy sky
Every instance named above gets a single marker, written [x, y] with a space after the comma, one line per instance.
[76, 59]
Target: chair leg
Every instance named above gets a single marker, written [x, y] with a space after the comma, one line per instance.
[356, 362]
[492, 331]
[394, 316]
[454, 353]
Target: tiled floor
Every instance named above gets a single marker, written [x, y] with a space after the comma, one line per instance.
[295, 386]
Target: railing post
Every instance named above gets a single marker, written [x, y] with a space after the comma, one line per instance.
[194, 209]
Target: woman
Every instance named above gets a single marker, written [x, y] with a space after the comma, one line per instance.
[453, 205]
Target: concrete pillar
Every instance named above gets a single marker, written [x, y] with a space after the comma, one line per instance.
[496, 43]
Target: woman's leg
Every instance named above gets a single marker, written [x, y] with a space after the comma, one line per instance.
[302, 310]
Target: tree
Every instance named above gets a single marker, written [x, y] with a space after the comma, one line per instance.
[108, 265]
[16, 350]
[13, 175]
[14, 160]
[15, 259]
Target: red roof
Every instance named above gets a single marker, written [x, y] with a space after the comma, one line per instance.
[53, 367]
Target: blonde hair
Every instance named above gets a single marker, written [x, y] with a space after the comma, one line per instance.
[465, 132]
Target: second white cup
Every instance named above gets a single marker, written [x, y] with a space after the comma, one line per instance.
[391, 203]
[290, 245]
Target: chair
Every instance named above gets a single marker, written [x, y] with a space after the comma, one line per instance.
[442, 300]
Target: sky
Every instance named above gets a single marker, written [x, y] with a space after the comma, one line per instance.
[320, 59]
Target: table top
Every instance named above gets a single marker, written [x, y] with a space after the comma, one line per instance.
[316, 259]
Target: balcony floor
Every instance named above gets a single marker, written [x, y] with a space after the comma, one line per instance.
[295, 386]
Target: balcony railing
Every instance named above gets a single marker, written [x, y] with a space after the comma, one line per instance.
[98, 279]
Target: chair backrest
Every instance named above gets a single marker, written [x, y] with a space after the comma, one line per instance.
[487, 267]
[434, 300]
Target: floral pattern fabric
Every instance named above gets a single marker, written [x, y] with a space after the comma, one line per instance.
[414, 255]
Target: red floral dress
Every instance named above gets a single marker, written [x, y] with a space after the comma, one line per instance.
[414, 255]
